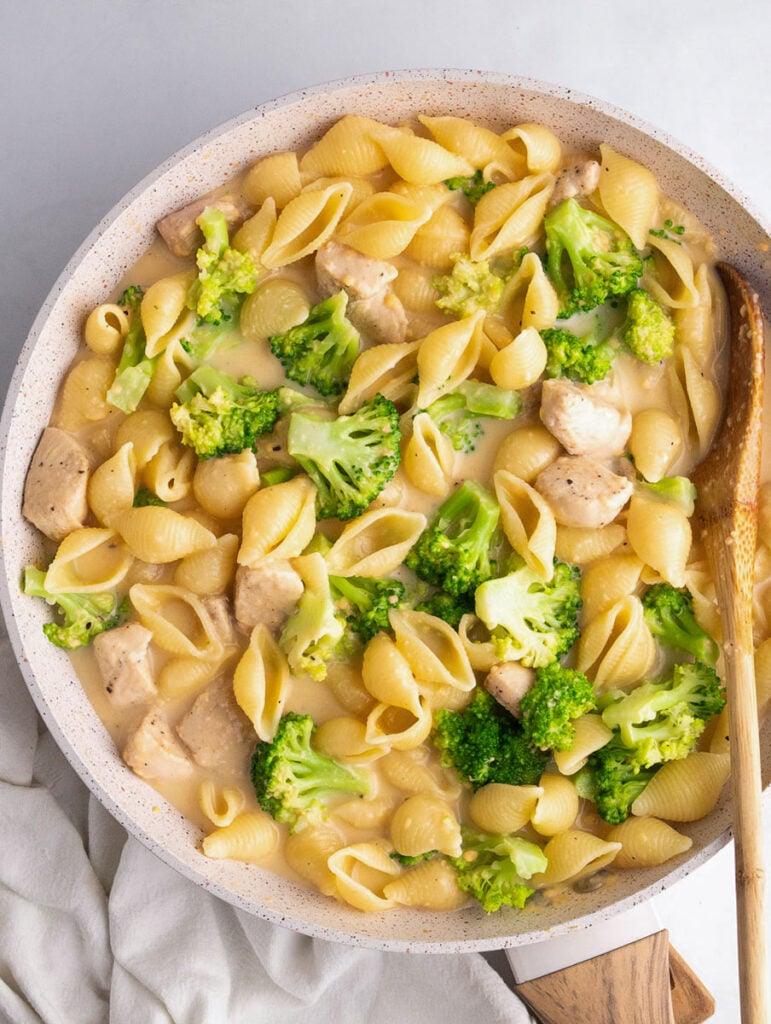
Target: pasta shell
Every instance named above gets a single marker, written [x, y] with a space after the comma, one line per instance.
[105, 329]
[347, 148]
[186, 675]
[364, 814]
[169, 474]
[432, 885]
[255, 234]
[344, 739]
[305, 224]
[387, 675]
[147, 430]
[362, 870]
[671, 279]
[529, 299]
[617, 648]
[261, 682]
[275, 177]
[404, 770]
[161, 535]
[383, 225]
[608, 581]
[162, 305]
[211, 571]
[521, 363]
[376, 543]
[388, 370]
[389, 726]
[655, 443]
[500, 809]
[696, 399]
[591, 733]
[83, 397]
[307, 852]
[424, 822]
[437, 241]
[88, 561]
[221, 806]
[178, 620]
[429, 457]
[572, 855]
[535, 146]
[251, 836]
[478, 145]
[629, 193]
[684, 790]
[223, 486]
[447, 356]
[557, 806]
[581, 545]
[510, 216]
[348, 689]
[432, 650]
[527, 521]
[278, 522]
[274, 307]
[660, 535]
[112, 485]
[420, 161]
[646, 842]
[526, 451]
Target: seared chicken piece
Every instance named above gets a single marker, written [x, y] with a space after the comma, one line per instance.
[180, 231]
[55, 488]
[218, 607]
[122, 658]
[266, 595]
[575, 182]
[583, 492]
[340, 267]
[508, 682]
[380, 319]
[154, 752]
[215, 729]
[582, 421]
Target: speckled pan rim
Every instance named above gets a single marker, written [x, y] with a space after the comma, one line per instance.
[292, 918]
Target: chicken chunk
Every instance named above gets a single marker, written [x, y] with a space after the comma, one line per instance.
[508, 682]
[340, 267]
[575, 182]
[267, 595]
[381, 319]
[180, 231]
[583, 492]
[217, 732]
[124, 664]
[218, 607]
[55, 489]
[154, 752]
[582, 421]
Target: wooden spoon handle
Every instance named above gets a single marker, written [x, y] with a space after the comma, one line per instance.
[645, 982]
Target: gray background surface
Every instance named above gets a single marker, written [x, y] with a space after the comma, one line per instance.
[96, 94]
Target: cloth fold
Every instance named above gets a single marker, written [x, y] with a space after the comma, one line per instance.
[94, 928]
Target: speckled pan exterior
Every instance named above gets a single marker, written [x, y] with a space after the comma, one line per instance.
[294, 121]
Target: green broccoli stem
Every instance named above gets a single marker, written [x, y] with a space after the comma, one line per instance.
[214, 226]
[135, 369]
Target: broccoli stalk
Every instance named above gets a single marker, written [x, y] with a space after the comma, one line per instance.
[85, 615]
[676, 489]
[216, 415]
[589, 259]
[322, 350]
[471, 286]
[531, 620]
[366, 602]
[583, 358]
[458, 414]
[454, 551]
[312, 634]
[557, 697]
[135, 369]
[661, 721]
[145, 497]
[494, 869]
[224, 273]
[293, 782]
[484, 743]
[617, 780]
[649, 332]
[669, 615]
[473, 187]
[351, 458]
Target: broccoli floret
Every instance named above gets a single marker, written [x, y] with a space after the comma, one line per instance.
[484, 743]
[530, 620]
[216, 415]
[351, 458]
[473, 188]
[557, 697]
[85, 615]
[293, 781]
[459, 414]
[223, 272]
[313, 633]
[649, 332]
[454, 552]
[589, 259]
[409, 861]
[494, 869]
[677, 489]
[322, 350]
[447, 607]
[366, 602]
[145, 497]
[661, 721]
[669, 614]
[585, 359]
[617, 780]
[471, 285]
[135, 369]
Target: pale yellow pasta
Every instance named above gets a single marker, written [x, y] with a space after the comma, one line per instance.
[572, 855]
[405, 770]
[387, 675]
[178, 620]
[617, 648]
[398, 728]
[420, 161]
[305, 224]
[274, 307]
[429, 457]
[278, 522]
[307, 852]
[655, 443]
[423, 823]
[274, 177]
[171, 366]
[415, 290]
[696, 399]
[660, 534]
[510, 216]
[447, 356]
[180, 677]
[529, 298]
[361, 188]
[112, 485]
[361, 871]
[255, 234]
[261, 682]
[210, 571]
[105, 329]
[88, 561]
[684, 790]
[388, 370]
[607, 581]
[500, 809]
[220, 806]
[251, 836]
[161, 535]
[432, 885]
[439, 239]
[647, 842]
[223, 486]
[344, 738]
[169, 474]
[591, 733]
[670, 278]
[475, 638]
[629, 193]
[557, 807]
[535, 148]
[697, 327]
[83, 397]
[347, 148]
[147, 430]
[163, 304]
[527, 521]
[521, 362]
[383, 224]
[367, 814]
[375, 543]
[480, 146]
[581, 545]
[345, 683]
[433, 652]
[527, 451]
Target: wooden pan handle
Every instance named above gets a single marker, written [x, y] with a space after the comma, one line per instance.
[645, 982]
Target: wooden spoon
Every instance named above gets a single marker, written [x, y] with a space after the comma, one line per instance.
[726, 514]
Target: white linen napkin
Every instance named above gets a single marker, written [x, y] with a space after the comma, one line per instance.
[94, 928]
